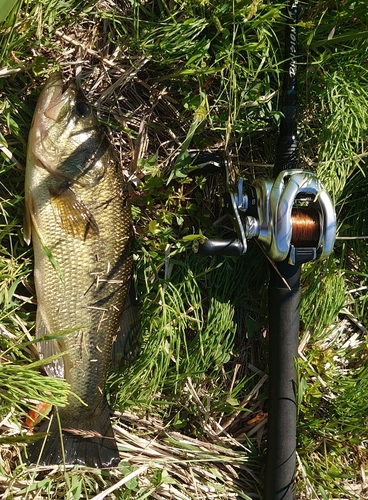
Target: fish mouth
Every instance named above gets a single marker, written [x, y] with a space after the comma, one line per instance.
[54, 98]
[51, 115]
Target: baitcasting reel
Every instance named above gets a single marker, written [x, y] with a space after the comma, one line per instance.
[292, 217]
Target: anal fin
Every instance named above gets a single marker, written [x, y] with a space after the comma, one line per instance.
[48, 348]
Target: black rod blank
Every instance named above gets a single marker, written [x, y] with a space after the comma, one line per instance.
[287, 147]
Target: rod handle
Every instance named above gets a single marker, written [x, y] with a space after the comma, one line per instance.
[284, 306]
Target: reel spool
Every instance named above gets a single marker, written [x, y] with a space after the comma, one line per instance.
[306, 227]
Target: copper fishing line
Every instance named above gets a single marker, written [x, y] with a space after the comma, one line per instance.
[306, 227]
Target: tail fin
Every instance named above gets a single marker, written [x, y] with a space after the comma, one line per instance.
[89, 442]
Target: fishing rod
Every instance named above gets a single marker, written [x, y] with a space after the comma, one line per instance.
[293, 218]
[284, 295]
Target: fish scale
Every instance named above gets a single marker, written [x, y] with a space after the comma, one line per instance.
[78, 217]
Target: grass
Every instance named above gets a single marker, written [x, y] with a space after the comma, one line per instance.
[169, 78]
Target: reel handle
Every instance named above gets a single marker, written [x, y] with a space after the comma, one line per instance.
[228, 248]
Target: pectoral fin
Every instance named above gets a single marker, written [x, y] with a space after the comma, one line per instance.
[72, 214]
[48, 348]
[127, 342]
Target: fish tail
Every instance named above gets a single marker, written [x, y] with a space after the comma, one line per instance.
[88, 441]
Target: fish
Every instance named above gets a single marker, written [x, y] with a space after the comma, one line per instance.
[78, 218]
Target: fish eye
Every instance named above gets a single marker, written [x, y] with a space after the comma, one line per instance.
[82, 109]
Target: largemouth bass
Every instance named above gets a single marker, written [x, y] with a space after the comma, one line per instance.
[78, 216]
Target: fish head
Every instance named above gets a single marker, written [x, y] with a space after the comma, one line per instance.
[65, 132]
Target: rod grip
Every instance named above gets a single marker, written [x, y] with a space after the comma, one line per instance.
[284, 306]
